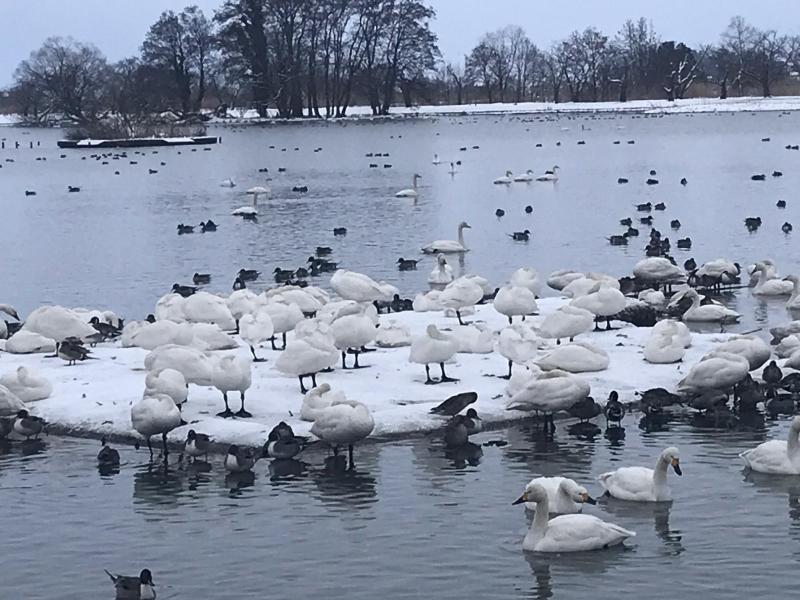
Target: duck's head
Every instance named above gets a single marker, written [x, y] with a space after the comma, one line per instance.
[233, 449]
[191, 435]
[150, 318]
[672, 456]
[103, 441]
[146, 577]
[613, 396]
[22, 414]
[534, 492]
[472, 414]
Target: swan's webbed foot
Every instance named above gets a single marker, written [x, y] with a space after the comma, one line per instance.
[225, 414]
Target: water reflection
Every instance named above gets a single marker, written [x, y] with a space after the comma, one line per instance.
[549, 568]
[657, 512]
[286, 468]
[157, 485]
[615, 436]
[340, 486]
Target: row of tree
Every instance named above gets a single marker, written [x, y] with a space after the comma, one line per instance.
[318, 57]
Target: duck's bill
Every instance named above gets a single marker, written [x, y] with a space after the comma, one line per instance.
[676, 466]
[521, 499]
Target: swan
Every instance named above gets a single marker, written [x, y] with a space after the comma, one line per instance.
[169, 382]
[10, 403]
[517, 344]
[771, 287]
[10, 311]
[255, 329]
[27, 385]
[153, 415]
[358, 287]
[550, 175]
[428, 302]
[351, 333]
[750, 347]
[654, 298]
[557, 280]
[392, 335]
[793, 303]
[57, 323]
[343, 422]
[249, 211]
[575, 357]
[579, 287]
[718, 372]
[202, 307]
[640, 484]
[412, 191]
[514, 301]
[708, 313]
[663, 347]
[29, 342]
[602, 302]
[152, 335]
[674, 328]
[719, 271]
[459, 294]
[207, 336]
[318, 398]
[475, 338]
[658, 270]
[243, 302]
[525, 177]
[505, 179]
[227, 183]
[527, 278]
[442, 273]
[786, 347]
[564, 495]
[309, 302]
[285, 318]
[170, 308]
[449, 246]
[232, 373]
[306, 357]
[195, 365]
[776, 457]
[549, 393]
[430, 348]
[566, 533]
[566, 322]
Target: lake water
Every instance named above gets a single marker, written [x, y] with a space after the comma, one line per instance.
[115, 245]
[410, 521]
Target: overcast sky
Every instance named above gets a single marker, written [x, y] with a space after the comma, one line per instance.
[118, 26]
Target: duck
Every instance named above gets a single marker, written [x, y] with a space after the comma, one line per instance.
[614, 410]
[566, 322]
[524, 177]
[306, 357]
[183, 290]
[412, 191]
[459, 294]
[255, 329]
[430, 348]
[514, 300]
[283, 444]
[549, 393]
[458, 429]
[564, 495]
[27, 425]
[107, 457]
[208, 226]
[520, 236]
[786, 227]
[27, 385]
[566, 533]
[449, 246]
[776, 457]
[248, 274]
[196, 444]
[575, 357]
[442, 273]
[201, 278]
[504, 179]
[339, 231]
[454, 404]
[406, 264]
[72, 350]
[232, 373]
[343, 422]
[134, 588]
[549, 175]
[640, 484]
[153, 415]
[239, 460]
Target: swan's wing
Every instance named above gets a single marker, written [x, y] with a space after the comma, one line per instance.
[570, 533]
[769, 457]
[629, 483]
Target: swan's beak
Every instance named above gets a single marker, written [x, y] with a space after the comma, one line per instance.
[588, 499]
[521, 499]
[676, 466]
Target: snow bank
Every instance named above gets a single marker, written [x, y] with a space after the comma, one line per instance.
[95, 396]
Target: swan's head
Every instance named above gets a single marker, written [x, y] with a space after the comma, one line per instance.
[464, 225]
[441, 260]
[417, 176]
[534, 492]
[508, 173]
[793, 278]
[577, 493]
[672, 456]
[555, 168]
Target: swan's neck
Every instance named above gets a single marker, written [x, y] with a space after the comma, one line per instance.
[414, 182]
[695, 303]
[792, 445]
[461, 235]
[660, 476]
[540, 520]
[795, 290]
[255, 200]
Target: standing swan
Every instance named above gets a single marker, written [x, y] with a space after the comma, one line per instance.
[641, 484]
[449, 246]
[412, 191]
[776, 457]
[567, 533]
[343, 422]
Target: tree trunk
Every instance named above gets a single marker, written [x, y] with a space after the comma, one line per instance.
[723, 89]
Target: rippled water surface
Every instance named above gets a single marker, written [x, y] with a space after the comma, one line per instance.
[115, 244]
[412, 520]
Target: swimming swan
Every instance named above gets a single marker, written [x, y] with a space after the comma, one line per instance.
[412, 191]
[504, 180]
[640, 484]
[564, 495]
[449, 246]
[442, 273]
[776, 457]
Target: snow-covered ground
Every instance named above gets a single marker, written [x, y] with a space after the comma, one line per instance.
[95, 396]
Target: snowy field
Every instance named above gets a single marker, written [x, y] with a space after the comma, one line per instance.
[94, 397]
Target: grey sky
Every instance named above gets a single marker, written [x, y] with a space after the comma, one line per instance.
[118, 26]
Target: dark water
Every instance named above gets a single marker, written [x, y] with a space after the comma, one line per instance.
[114, 244]
[410, 521]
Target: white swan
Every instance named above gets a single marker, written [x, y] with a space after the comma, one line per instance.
[154, 415]
[284, 317]
[449, 246]
[771, 287]
[674, 328]
[513, 301]
[524, 177]
[527, 278]
[640, 484]
[252, 210]
[232, 373]
[442, 273]
[566, 322]
[566, 533]
[196, 366]
[357, 286]
[351, 333]
[152, 335]
[708, 313]
[604, 302]
[654, 298]
[57, 323]
[427, 302]
[663, 347]
[412, 191]
[459, 294]
[557, 280]
[517, 344]
[475, 338]
[244, 302]
[255, 329]
[504, 179]
[579, 287]
[227, 183]
[202, 307]
[575, 357]
[549, 393]
[10, 403]
[169, 382]
[306, 357]
[317, 399]
[28, 386]
[549, 175]
[29, 342]
[776, 457]
[392, 335]
[431, 348]
[207, 336]
[717, 372]
[307, 302]
[658, 270]
[750, 347]
[793, 303]
[564, 495]
[343, 422]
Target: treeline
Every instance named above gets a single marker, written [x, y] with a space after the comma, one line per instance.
[316, 58]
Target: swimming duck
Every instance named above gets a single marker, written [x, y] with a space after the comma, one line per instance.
[134, 588]
[107, 457]
[433, 347]
[183, 229]
[338, 231]
[520, 236]
[239, 460]
[208, 226]
[640, 484]
[201, 278]
[449, 246]
[786, 227]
